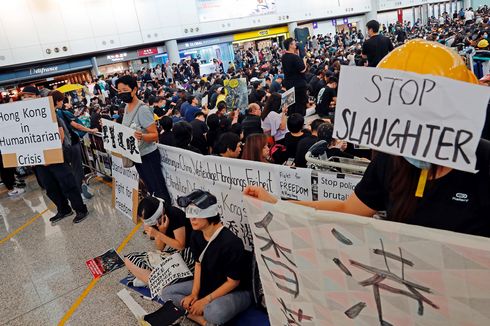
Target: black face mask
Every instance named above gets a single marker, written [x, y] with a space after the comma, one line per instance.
[126, 97]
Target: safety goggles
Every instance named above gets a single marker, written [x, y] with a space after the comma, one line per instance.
[199, 198]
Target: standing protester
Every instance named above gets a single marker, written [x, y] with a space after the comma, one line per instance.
[377, 46]
[59, 181]
[74, 129]
[138, 116]
[294, 76]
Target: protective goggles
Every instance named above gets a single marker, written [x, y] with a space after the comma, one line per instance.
[201, 199]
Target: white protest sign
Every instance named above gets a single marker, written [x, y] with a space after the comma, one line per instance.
[120, 139]
[29, 133]
[125, 188]
[295, 183]
[288, 97]
[430, 118]
[170, 269]
[336, 186]
[204, 101]
[327, 268]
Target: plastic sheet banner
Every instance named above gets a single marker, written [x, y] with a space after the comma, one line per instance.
[425, 117]
[125, 188]
[29, 133]
[326, 268]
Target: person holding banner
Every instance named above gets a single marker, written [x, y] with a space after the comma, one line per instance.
[138, 116]
[172, 232]
[218, 292]
[413, 191]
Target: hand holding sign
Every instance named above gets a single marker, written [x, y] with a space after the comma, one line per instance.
[430, 118]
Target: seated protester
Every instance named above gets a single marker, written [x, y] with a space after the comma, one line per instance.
[274, 120]
[158, 105]
[171, 230]
[219, 291]
[252, 124]
[176, 116]
[305, 143]
[295, 126]
[199, 130]
[214, 131]
[257, 95]
[275, 86]
[325, 97]
[189, 111]
[256, 148]
[183, 136]
[228, 145]
[334, 147]
[166, 136]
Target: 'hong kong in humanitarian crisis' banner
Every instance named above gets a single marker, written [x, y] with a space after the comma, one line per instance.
[430, 118]
[327, 268]
[29, 134]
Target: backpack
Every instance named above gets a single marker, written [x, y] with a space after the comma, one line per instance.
[74, 135]
[66, 144]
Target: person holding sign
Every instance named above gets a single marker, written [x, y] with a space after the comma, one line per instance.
[294, 76]
[217, 293]
[138, 116]
[413, 191]
[171, 231]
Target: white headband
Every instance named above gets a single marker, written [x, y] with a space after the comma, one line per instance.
[192, 211]
[153, 220]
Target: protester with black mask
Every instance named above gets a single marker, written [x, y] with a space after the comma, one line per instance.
[294, 76]
[140, 117]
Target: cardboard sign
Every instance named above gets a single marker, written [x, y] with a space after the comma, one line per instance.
[327, 268]
[336, 186]
[29, 133]
[288, 97]
[120, 139]
[295, 183]
[236, 93]
[430, 118]
[125, 188]
[171, 268]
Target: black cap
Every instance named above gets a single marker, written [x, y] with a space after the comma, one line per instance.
[31, 90]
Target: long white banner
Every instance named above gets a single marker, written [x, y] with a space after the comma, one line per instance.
[326, 268]
[226, 178]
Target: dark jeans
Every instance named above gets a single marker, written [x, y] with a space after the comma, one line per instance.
[301, 99]
[76, 165]
[150, 171]
[7, 175]
[60, 185]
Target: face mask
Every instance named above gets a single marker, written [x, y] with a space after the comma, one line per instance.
[126, 97]
[418, 163]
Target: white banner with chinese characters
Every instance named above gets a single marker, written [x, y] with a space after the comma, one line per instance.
[326, 268]
[120, 139]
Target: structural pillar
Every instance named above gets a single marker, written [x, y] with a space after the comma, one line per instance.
[291, 27]
[95, 67]
[371, 15]
[425, 14]
[172, 51]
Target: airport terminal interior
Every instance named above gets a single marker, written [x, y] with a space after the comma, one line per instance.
[245, 162]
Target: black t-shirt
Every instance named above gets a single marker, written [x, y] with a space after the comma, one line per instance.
[458, 201]
[292, 65]
[199, 129]
[376, 48]
[325, 97]
[177, 219]
[303, 147]
[158, 111]
[252, 124]
[291, 143]
[225, 257]
[167, 138]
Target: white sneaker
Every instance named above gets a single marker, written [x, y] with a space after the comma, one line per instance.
[16, 192]
[139, 283]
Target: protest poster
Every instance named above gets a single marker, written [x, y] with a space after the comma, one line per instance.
[288, 98]
[336, 186]
[327, 268]
[120, 139]
[430, 118]
[125, 188]
[29, 133]
[170, 269]
[105, 263]
[236, 93]
[204, 101]
[295, 183]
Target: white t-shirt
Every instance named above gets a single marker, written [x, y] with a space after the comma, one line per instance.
[271, 125]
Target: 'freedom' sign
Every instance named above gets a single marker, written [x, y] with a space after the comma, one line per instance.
[430, 118]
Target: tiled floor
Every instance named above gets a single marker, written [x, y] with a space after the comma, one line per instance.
[42, 268]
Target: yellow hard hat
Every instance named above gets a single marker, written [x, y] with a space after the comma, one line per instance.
[483, 44]
[431, 58]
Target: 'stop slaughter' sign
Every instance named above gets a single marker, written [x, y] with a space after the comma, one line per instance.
[430, 118]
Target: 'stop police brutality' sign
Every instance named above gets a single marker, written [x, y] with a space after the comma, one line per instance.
[430, 118]
[29, 133]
